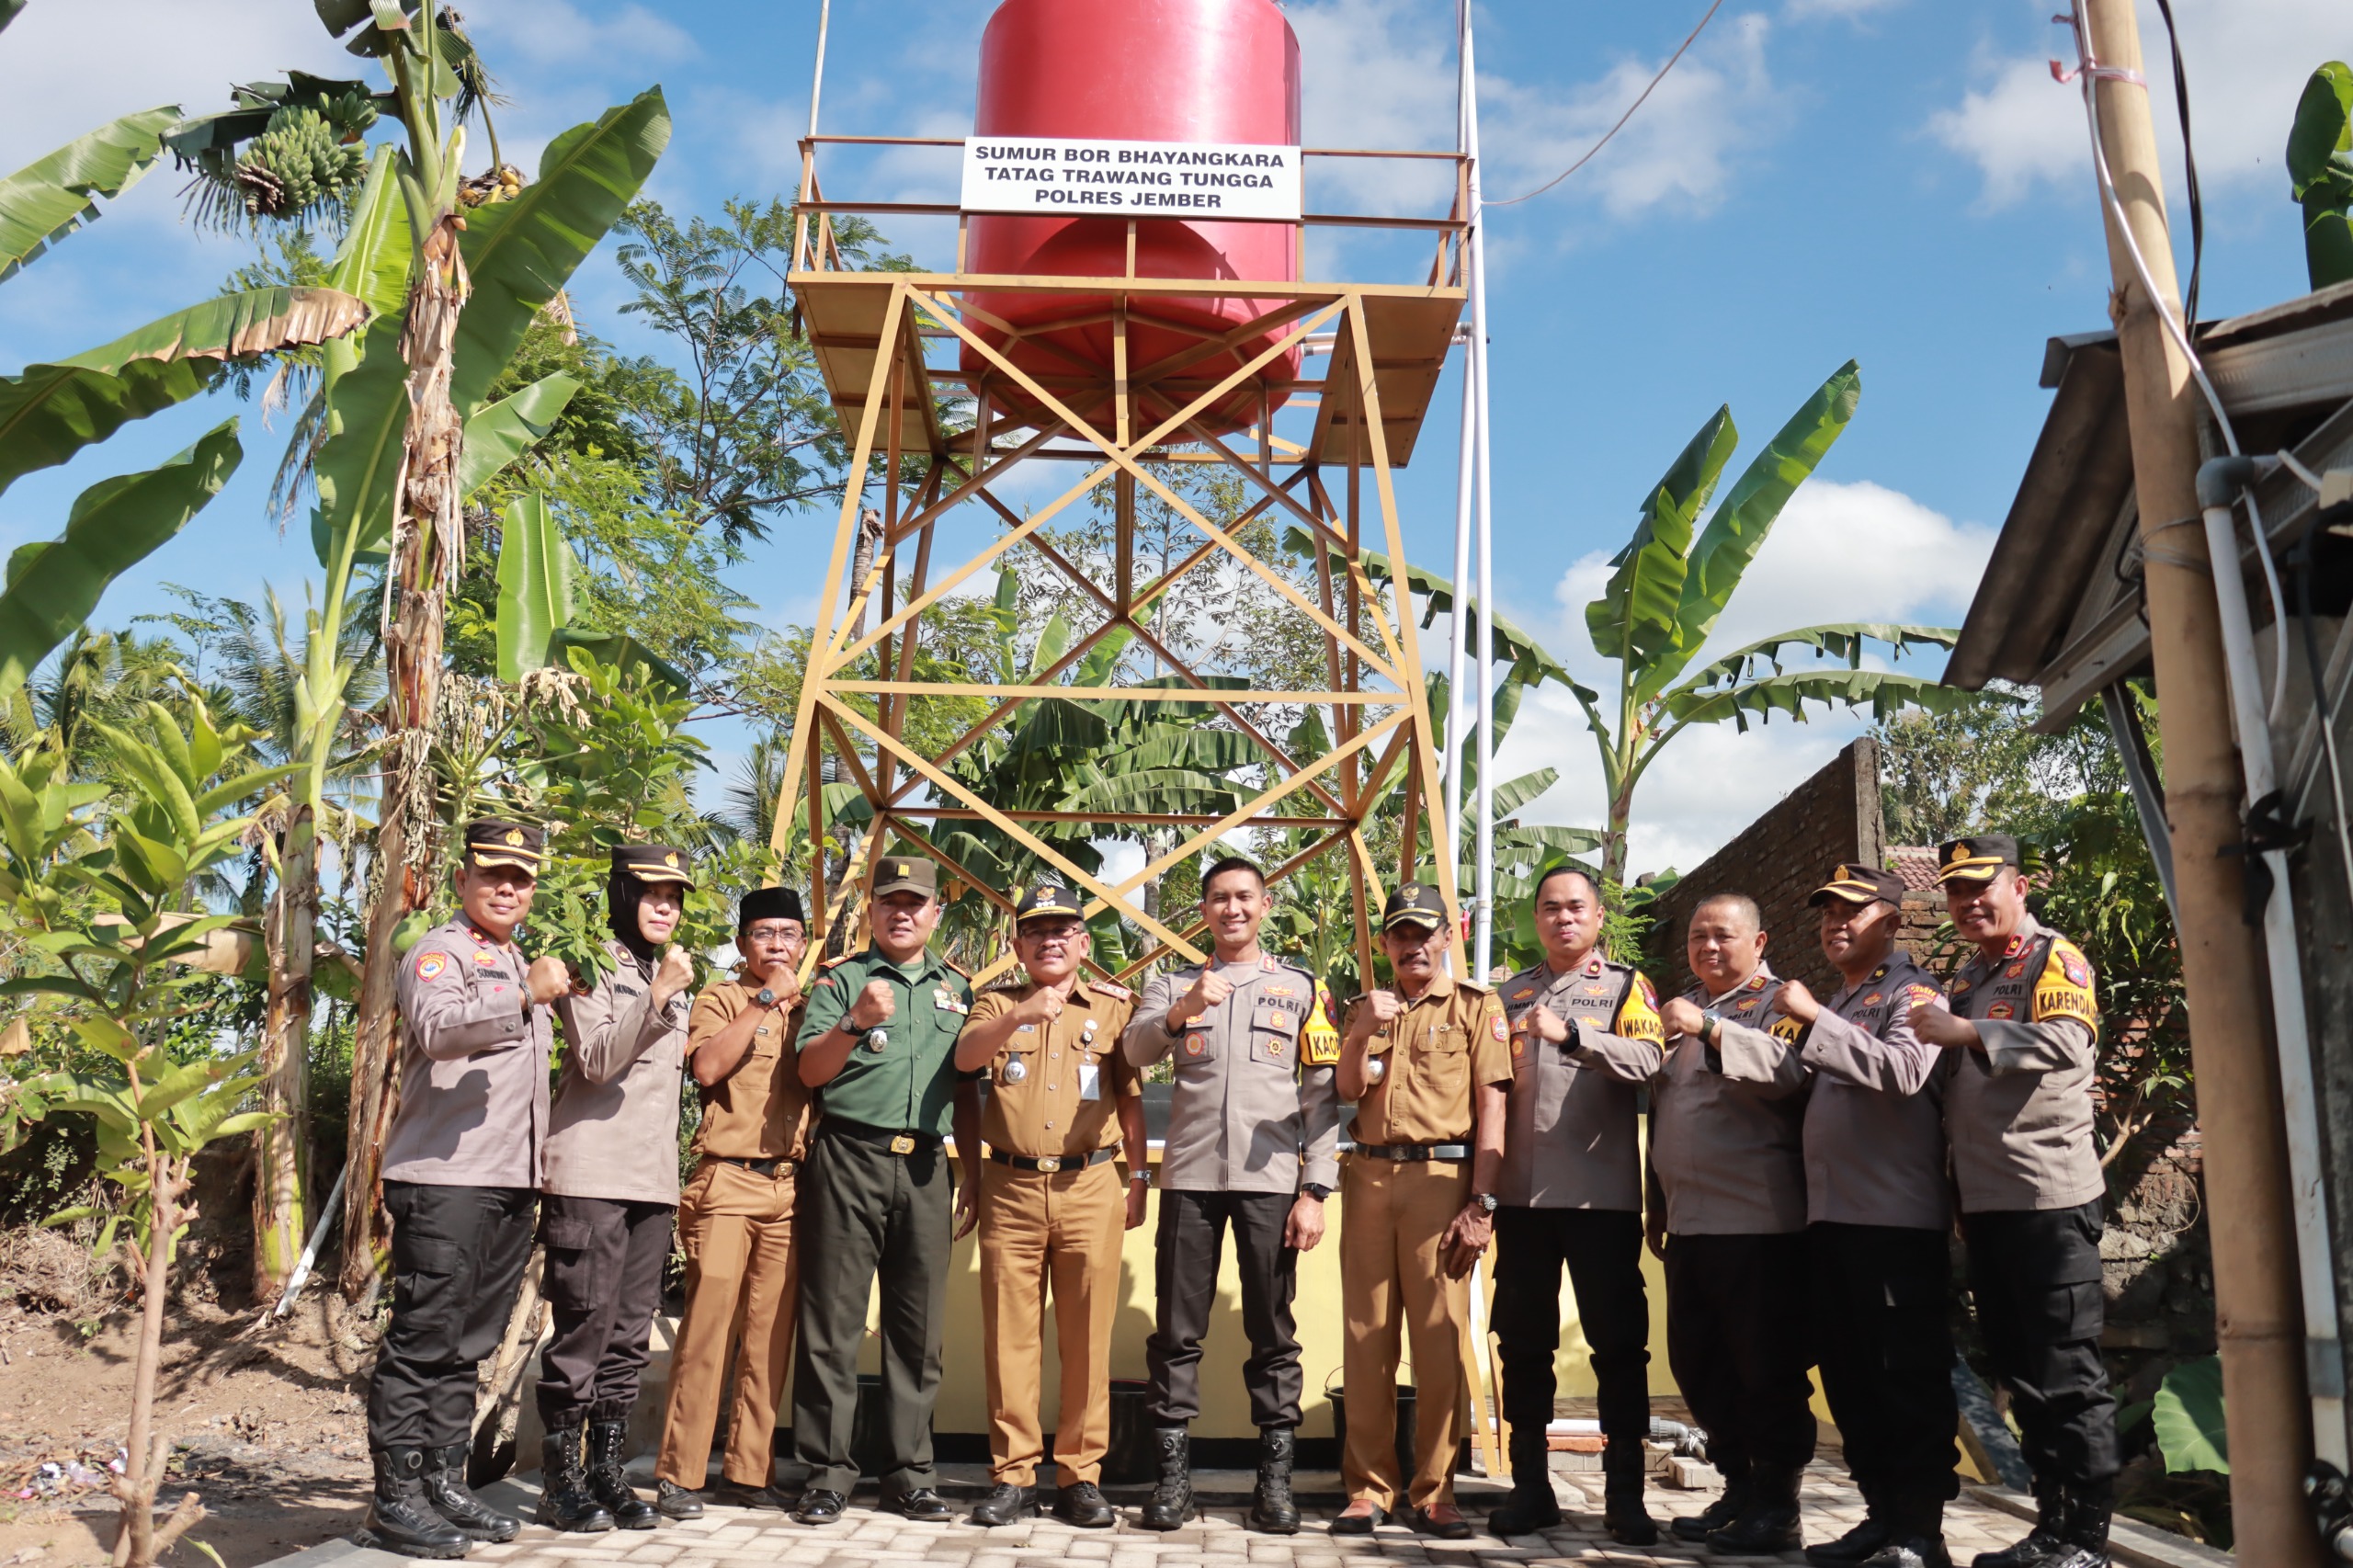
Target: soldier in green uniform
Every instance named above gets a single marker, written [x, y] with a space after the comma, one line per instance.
[879, 1046]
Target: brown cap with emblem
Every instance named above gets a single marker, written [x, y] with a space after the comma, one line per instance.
[1415, 903]
[1976, 859]
[906, 873]
[1045, 898]
[654, 863]
[494, 841]
[1852, 882]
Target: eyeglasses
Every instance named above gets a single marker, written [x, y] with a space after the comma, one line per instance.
[778, 932]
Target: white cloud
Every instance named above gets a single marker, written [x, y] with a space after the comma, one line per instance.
[2246, 62]
[1801, 9]
[553, 32]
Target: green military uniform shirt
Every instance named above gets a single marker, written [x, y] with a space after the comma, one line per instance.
[909, 1084]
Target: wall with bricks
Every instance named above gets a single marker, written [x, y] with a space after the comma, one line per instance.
[1778, 861]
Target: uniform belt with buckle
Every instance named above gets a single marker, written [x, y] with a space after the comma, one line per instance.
[899, 1143]
[1403, 1154]
[773, 1167]
[1052, 1162]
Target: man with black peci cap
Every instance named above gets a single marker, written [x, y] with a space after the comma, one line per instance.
[1062, 1102]
[462, 1164]
[879, 1046]
[1878, 1211]
[1428, 1066]
[2021, 1021]
[612, 1189]
[736, 1215]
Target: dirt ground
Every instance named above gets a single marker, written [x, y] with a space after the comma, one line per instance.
[267, 1427]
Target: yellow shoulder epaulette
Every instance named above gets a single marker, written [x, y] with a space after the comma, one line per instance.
[836, 963]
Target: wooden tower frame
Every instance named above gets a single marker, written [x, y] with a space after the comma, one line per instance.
[869, 331]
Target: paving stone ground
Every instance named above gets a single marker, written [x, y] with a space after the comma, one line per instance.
[866, 1537]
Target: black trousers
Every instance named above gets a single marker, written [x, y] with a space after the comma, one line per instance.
[1884, 1346]
[2034, 1279]
[604, 1283]
[1187, 1249]
[866, 1213]
[1602, 1249]
[1737, 1341]
[457, 1257]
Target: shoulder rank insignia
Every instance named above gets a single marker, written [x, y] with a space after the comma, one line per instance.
[836, 963]
[1115, 992]
[1756, 981]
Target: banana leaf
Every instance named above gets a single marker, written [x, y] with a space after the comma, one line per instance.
[53, 587]
[373, 260]
[52, 411]
[2320, 167]
[1635, 620]
[8, 9]
[48, 200]
[507, 429]
[534, 586]
[1845, 640]
[358, 465]
[1511, 642]
[1884, 693]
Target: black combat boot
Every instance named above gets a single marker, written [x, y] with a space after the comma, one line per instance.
[1624, 1465]
[2084, 1525]
[1770, 1523]
[2042, 1547]
[445, 1488]
[1171, 1503]
[1272, 1509]
[1720, 1513]
[1532, 1505]
[564, 1499]
[1860, 1543]
[1916, 1534]
[401, 1518]
[609, 1485]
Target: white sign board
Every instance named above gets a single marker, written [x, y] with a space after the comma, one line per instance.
[1064, 177]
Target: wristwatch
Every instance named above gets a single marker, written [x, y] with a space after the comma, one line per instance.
[1316, 1190]
[766, 998]
[1486, 1200]
[1141, 1175]
[1710, 1026]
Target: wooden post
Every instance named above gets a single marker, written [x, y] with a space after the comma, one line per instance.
[2257, 1313]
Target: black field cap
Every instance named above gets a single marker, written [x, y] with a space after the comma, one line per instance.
[769, 904]
[1976, 859]
[906, 873]
[1415, 903]
[654, 863]
[1046, 898]
[493, 841]
[1854, 884]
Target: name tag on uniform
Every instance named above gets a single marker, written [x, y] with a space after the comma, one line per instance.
[1090, 1082]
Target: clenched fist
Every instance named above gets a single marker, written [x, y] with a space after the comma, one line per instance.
[1209, 991]
[547, 979]
[1794, 1001]
[875, 1005]
[1377, 1012]
[1945, 1030]
[677, 972]
[1680, 1015]
[1042, 1006]
[1545, 1024]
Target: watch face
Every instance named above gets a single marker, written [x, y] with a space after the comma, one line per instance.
[766, 998]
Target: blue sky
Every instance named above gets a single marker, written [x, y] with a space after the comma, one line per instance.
[1896, 181]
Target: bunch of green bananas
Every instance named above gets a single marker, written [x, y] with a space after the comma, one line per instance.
[307, 156]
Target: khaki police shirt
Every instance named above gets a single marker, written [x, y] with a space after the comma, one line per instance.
[613, 1131]
[1729, 1154]
[1874, 1119]
[473, 1094]
[760, 1110]
[2019, 1112]
[1571, 1140]
[1255, 1107]
[1053, 1088]
[1441, 1047]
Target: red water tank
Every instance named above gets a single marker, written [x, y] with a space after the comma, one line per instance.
[1139, 70]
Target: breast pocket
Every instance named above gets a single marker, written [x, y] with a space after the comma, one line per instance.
[1447, 1057]
[1196, 1050]
[1018, 1066]
[1274, 1037]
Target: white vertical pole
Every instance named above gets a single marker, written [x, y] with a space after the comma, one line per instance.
[1482, 919]
[817, 87]
[1449, 843]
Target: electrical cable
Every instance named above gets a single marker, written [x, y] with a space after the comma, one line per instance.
[2189, 166]
[1622, 118]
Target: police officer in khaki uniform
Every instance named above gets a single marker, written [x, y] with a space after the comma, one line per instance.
[461, 1185]
[736, 1217]
[612, 1189]
[2022, 1027]
[880, 1049]
[1062, 1102]
[1253, 1127]
[1428, 1066]
[1877, 1213]
[1727, 1162]
[1585, 1041]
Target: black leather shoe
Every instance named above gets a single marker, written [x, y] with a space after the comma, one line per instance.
[1910, 1551]
[1858, 1545]
[445, 1488]
[2043, 1546]
[1770, 1523]
[609, 1485]
[735, 1494]
[673, 1501]
[399, 1519]
[1353, 1521]
[1084, 1505]
[1005, 1504]
[1716, 1515]
[1451, 1526]
[924, 1506]
[818, 1506]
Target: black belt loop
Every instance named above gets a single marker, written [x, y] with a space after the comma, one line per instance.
[898, 1141]
[1407, 1154]
[1050, 1163]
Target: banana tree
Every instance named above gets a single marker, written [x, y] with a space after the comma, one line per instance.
[2320, 167]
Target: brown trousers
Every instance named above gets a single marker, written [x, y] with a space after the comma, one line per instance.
[1064, 1227]
[743, 1289]
[1390, 1227]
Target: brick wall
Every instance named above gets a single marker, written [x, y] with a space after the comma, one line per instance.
[1778, 860]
